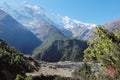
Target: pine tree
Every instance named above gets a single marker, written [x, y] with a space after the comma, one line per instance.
[105, 49]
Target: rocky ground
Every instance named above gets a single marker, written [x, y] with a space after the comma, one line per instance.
[64, 69]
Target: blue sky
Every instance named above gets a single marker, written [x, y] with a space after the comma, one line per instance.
[90, 11]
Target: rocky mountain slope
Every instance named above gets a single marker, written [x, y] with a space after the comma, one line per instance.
[77, 28]
[62, 50]
[16, 34]
[111, 26]
[32, 17]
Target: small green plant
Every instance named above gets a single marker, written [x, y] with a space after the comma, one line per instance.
[19, 77]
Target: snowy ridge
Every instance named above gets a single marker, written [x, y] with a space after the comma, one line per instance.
[33, 16]
[72, 23]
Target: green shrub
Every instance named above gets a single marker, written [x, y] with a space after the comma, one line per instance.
[19, 77]
[29, 78]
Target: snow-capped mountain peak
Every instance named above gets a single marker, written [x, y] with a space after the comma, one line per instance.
[72, 23]
[34, 16]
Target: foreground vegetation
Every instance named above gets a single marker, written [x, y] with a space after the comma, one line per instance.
[42, 77]
[14, 65]
[104, 51]
[12, 62]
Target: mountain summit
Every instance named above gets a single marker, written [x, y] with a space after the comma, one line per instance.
[34, 16]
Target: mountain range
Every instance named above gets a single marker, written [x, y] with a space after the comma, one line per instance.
[34, 17]
[44, 35]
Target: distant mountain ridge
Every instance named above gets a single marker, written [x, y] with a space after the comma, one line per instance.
[34, 16]
[111, 26]
[77, 28]
[16, 34]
